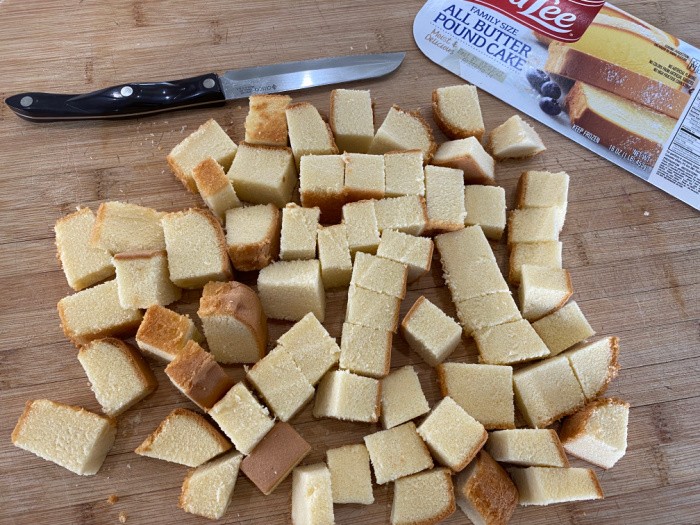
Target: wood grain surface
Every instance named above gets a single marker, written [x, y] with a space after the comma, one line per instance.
[632, 250]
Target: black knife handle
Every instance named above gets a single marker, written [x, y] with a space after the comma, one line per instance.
[122, 101]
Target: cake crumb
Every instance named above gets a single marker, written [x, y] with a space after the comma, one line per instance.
[646, 213]
[112, 499]
[122, 517]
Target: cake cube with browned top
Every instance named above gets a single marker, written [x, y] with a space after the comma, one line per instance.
[457, 112]
[184, 437]
[119, 377]
[509, 343]
[444, 199]
[543, 189]
[364, 176]
[334, 256]
[348, 397]
[595, 365]
[402, 131]
[234, 322]
[312, 495]
[402, 397]
[351, 478]
[83, 264]
[564, 328]
[485, 392]
[423, 499]
[44, 425]
[143, 279]
[207, 489]
[309, 134]
[469, 156]
[543, 290]
[266, 122]
[95, 313]
[274, 458]
[209, 140]
[430, 332]
[528, 225]
[291, 289]
[253, 236]
[515, 139]
[373, 309]
[360, 221]
[196, 247]
[486, 311]
[321, 185]
[407, 214]
[263, 174]
[403, 173]
[397, 452]
[352, 119]
[486, 207]
[215, 188]
[547, 486]
[546, 254]
[527, 447]
[365, 351]
[299, 232]
[163, 333]
[415, 252]
[125, 227]
[198, 376]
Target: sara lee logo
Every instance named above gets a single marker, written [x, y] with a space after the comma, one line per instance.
[563, 20]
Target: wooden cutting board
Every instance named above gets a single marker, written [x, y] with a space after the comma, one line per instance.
[632, 250]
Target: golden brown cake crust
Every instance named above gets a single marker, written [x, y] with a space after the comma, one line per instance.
[575, 426]
[330, 203]
[448, 129]
[157, 321]
[267, 128]
[613, 367]
[491, 491]
[236, 300]
[133, 355]
[209, 177]
[196, 418]
[256, 256]
[188, 183]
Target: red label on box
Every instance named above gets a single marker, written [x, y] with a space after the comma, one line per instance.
[562, 20]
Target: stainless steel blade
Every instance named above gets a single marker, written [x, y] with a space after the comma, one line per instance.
[292, 76]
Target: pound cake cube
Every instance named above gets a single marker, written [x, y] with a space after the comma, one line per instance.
[598, 432]
[415, 252]
[444, 198]
[44, 425]
[466, 245]
[407, 214]
[275, 457]
[334, 256]
[397, 452]
[143, 279]
[542, 189]
[312, 495]
[469, 279]
[360, 220]
[364, 176]
[351, 478]
[509, 343]
[453, 436]
[546, 254]
[215, 188]
[266, 122]
[196, 247]
[543, 290]
[123, 227]
[515, 139]
[207, 489]
[457, 112]
[595, 365]
[314, 351]
[209, 140]
[403, 131]
[321, 185]
[352, 119]
[308, 132]
[402, 397]
[119, 377]
[403, 173]
[263, 174]
[564, 328]
[82, 263]
[547, 391]
[486, 207]
[244, 420]
[234, 322]
[485, 492]
[253, 236]
[163, 333]
[349, 397]
[184, 437]
[299, 228]
[281, 383]
[198, 376]
[379, 275]
[469, 156]
[372, 309]
[423, 499]
[533, 225]
[95, 313]
[430, 332]
[546, 486]
[527, 447]
[485, 392]
[486, 311]
[365, 351]
[291, 289]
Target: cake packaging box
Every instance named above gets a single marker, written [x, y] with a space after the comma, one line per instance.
[615, 84]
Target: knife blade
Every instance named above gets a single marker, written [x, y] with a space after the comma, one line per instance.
[136, 99]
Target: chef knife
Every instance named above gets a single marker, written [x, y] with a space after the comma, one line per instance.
[144, 98]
